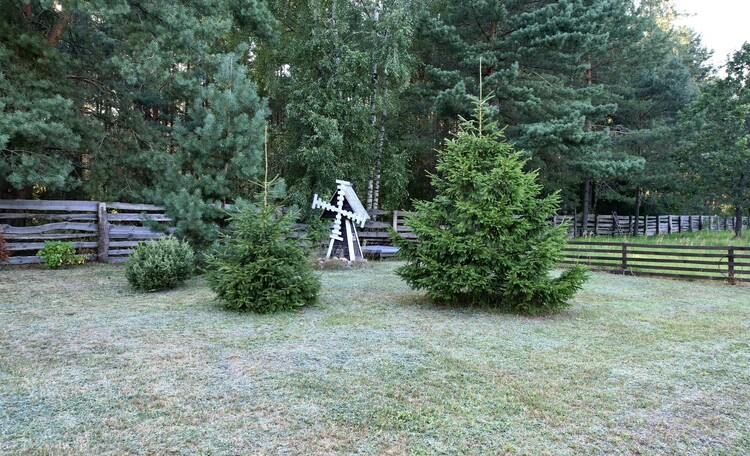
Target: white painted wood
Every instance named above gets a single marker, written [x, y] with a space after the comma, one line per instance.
[350, 239]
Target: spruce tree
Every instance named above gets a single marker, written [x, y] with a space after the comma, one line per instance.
[486, 239]
[261, 267]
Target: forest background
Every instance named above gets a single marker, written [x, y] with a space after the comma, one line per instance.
[147, 101]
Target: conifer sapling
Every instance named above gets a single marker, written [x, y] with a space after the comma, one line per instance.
[486, 239]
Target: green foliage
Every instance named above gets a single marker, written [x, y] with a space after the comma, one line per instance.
[259, 268]
[348, 63]
[56, 254]
[220, 145]
[159, 265]
[485, 238]
[717, 156]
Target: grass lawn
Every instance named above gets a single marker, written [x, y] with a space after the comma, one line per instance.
[637, 366]
[696, 238]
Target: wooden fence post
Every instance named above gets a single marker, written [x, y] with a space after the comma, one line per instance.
[700, 223]
[645, 225]
[669, 224]
[679, 224]
[596, 224]
[624, 265]
[730, 265]
[395, 220]
[102, 254]
[690, 223]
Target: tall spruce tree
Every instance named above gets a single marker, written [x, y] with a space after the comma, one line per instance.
[485, 239]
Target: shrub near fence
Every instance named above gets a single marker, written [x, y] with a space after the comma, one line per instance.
[103, 232]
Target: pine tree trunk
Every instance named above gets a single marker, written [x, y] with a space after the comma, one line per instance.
[738, 207]
[55, 35]
[737, 220]
[586, 206]
[28, 11]
[638, 199]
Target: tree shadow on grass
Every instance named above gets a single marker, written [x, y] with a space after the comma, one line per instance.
[421, 300]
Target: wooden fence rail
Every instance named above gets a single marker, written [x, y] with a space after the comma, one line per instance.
[104, 232]
[730, 263]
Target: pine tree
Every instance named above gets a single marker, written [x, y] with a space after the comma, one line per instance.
[218, 151]
[485, 239]
[42, 128]
[718, 160]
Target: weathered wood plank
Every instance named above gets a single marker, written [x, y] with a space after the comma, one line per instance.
[21, 246]
[102, 251]
[22, 260]
[135, 207]
[138, 218]
[376, 226]
[132, 232]
[73, 226]
[49, 205]
[123, 244]
[683, 256]
[46, 216]
[119, 252]
[46, 237]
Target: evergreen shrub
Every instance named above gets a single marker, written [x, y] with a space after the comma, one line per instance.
[259, 268]
[56, 254]
[160, 265]
[486, 239]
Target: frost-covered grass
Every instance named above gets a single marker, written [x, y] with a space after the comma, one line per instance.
[635, 366]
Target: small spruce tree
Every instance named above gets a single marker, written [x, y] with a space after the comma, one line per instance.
[486, 239]
[259, 267]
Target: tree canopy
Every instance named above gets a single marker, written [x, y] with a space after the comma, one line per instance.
[150, 101]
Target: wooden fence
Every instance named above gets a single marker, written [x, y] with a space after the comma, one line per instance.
[107, 232]
[104, 232]
[651, 225]
[728, 263]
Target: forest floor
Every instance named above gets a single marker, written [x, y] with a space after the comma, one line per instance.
[637, 366]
